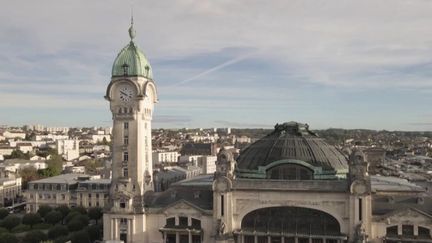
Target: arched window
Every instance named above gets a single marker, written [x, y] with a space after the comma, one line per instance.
[290, 172]
[292, 220]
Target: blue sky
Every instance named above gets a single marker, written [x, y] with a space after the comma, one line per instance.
[244, 63]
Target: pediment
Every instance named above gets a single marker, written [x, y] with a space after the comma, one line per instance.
[182, 207]
[407, 216]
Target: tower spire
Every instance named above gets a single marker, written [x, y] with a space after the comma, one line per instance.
[132, 32]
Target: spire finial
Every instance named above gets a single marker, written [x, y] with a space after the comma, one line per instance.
[132, 32]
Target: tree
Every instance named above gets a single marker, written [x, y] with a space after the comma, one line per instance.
[80, 237]
[95, 213]
[71, 216]
[18, 154]
[3, 213]
[11, 221]
[57, 231]
[54, 166]
[75, 225]
[84, 219]
[8, 238]
[64, 210]
[53, 217]
[44, 210]
[31, 219]
[79, 209]
[28, 174]
[35, 236]
[94, 232]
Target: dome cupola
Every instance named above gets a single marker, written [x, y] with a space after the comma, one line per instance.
[291, 151]
[131, 61]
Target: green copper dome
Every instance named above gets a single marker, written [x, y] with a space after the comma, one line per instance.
[131, 61]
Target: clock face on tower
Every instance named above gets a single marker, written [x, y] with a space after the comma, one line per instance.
[126, 93]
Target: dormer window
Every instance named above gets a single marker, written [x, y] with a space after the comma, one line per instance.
[125, 69]
[122, 203]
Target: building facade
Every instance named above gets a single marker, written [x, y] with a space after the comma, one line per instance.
[68, 189]
[132, 95]
[289, 187]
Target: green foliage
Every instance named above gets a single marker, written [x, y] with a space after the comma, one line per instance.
[8, 238]
[3, 230]
[18, 154]
[31, 219]
[28, 174]
[71, 216]
[84, 219]
[80, 237]
[94, 232]
[64, 210]
[21, 228]
[57, 231]
[44, 210]
[79, 209]
[53, 217]
[42, 226]
[54, 168]
[3, 213]
[35, 236]
[95, 213]
[75, 225]
[11, 221]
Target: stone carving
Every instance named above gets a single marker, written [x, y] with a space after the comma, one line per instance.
[220, 227]
[225, 164]
[360, 234]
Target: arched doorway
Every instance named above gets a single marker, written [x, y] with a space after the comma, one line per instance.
[289, 225]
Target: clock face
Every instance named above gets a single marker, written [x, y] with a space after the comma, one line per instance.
[126, 93]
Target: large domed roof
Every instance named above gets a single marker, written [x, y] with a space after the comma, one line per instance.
[131, 61]
[292, 141]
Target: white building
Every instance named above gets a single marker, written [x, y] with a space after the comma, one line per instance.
[51, 137]
[15, 165]
[207, 164]
[97, 138]
[13, 135]
[165, 157]
[69, 149]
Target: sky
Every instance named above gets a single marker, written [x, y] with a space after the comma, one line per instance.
[244, 63]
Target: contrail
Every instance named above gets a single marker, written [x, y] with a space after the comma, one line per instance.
[213, 69]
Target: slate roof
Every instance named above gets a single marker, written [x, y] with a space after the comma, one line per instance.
[292, 140]
[197, 191]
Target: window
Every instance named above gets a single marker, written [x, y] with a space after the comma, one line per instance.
[183, 221]
[125, 172]
[408, 230]
[123, 221]
[222, 205]
[122, 203]
[126, 125]
[360, 211]
[170, 222]
[125, 156]
[196, 223]
[97, 195]
[90, 195]
[126, 140]
[290, 172]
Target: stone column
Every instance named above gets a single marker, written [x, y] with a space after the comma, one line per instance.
[399, 228]
[116, 230]
[129, 230]
[177, 237]
[189, 236]
[415, 230]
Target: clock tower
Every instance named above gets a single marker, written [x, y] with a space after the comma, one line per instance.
[132, 95]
